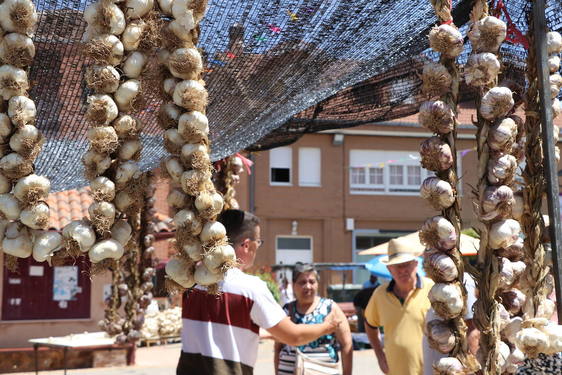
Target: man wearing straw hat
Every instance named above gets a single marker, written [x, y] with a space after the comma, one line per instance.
[399, 307]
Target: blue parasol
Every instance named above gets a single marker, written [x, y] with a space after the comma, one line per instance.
[379, 269]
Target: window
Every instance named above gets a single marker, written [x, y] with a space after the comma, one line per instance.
[292, 249]
[280, 160]
[310, 162]
[380, 172]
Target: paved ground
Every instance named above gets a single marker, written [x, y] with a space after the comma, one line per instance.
[161, 360]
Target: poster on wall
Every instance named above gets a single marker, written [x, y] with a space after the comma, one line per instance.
[65, 283]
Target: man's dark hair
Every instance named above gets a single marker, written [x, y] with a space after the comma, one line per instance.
[239, 225]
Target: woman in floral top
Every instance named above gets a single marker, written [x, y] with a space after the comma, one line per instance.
[308, 308]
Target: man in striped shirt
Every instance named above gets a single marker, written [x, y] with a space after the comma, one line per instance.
[221, 333]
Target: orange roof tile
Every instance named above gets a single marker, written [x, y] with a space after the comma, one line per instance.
[66, 206]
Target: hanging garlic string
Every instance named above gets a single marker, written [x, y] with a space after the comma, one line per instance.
[118, 36]
[441, 234]
[203, 251]
[226, 177]
[24, 213]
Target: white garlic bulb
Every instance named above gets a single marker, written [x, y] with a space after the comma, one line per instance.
[21, 110]
[32, 188]
[512, 328]
[553, 63]
[132, 35]
[437, 192]
[213, 231]
[130, 150]
[177, 199]
[103, 189]
[134, 64]
[218, 257]
[194, 251]
[181, 271]
[166, 6]
[128, 94]
[126, 126]
[188, 220]
[17, 241]
[106, 249]
[9, 207]
[204, 276]
[103, 139]
[501, 170]
[554, 333]
[168, 115]
[436, 155]
[5, 184]
[13, 81]
[138, 8]
[487, 34]
[18, 16]
[45, 244]
[438, 232]
[5, 127]
[509, 272]
[36, 217]
[195, 155]
[502, 135]
[103, 79]
[15, 166]
[102, 214]
[193, 126]
[17, 49]
[105, 17]
[190, 95]
[496, 103]
[436, 79]
[553, 43]
[126, 173]
[102, 109]
[439, 266]
[513, 300]
[446, 300]
[96, 163]
[481, 69]
[209, 204]
[504, 233]
[503, 356]
[169, 85]
[185, 63]
[107, 49]
[448, 366]
[80, 232]
[124, 201]
[531, 341]
[174, 168]
[497, 201]
[173, 141]
[121, 232]
[437, 116]
[440, 335]
[447, 40]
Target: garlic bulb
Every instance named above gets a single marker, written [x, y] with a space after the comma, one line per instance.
[553, 63]
[546, 309]
[5, 127]
[181, 271]
[504, 233]
[209, 204]
[185, 63]
[106, 49]
[173, 141]
[503, 316]
[27, 141]
[501, 170]
[531, 341]
[105, 18]
[17, 50]
[203, 276]
[130, 150]
[554, 334]
[174, 168]
[481, 69]
[81, 233]
[103, 139]
[436, 79]
[18, 16]
[126, 173]
[106, 249]
[504, 353]
[436, 116]
[5, 184]
[513, 252]
[192, 181]
[509, 272]
[45, 244]
[511, 329]
[438, 232]
[436, 155]
[95, 163]
[187, 220]
[15, 166]
[166, 6]
[447, 40]
[127, 95]
[190, 95]
[517, 207]
[103, 79]
[127, 127]
[446, 300]
[17, 241]
[169, 85]
[437, 192]
[168, 115]
[138, 8]
[163, 55]
[448, 366]
[194, 251]
[496, 103]
[9, 207]
[124, 201]
[36, 217]
[103, 189]
[513, 300]
[132, 35]
[213, 231]
[13, 81]
[101, 109]
[32, 188]
[487, 34]
[440, 336]
[193, 126]
[502, 135]
[553, 43]
[102, 215]
[195, 156]
[177, 199]
[21, 110]
[134, 64]
[121, 232]
[497, 202]
[439, 266]
[218, 256]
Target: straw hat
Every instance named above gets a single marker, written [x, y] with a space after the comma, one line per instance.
[399, 251]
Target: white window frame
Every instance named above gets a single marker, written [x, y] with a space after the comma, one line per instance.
[275, 183]
[386, 188]
[307, 184]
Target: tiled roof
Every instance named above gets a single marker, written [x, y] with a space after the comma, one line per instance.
[69, 205]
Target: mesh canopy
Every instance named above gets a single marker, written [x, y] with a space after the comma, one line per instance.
[270, 64]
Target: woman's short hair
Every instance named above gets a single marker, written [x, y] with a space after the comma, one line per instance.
[239, 225]
[301, 268]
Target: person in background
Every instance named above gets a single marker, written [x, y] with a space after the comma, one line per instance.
[309, 308]
[372, 283]
[286, 291]
[361, 300]
[400, 308]
[220, 333]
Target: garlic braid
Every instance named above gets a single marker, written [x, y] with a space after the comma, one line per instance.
[441, 234]
[226, 178]
[204, 255]
[24, 213]
[118, 36]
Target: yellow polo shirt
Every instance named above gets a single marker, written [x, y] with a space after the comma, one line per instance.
[403, 325]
